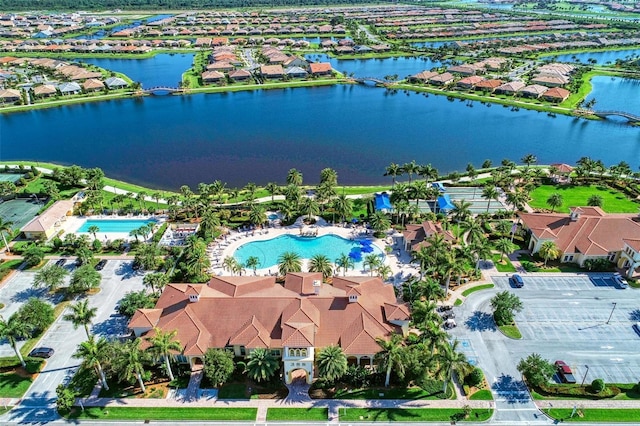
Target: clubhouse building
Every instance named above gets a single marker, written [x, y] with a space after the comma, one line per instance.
[242, 313]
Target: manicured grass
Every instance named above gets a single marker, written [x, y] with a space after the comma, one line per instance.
[503, 267]
[510, 331]
[298, 414]
[468, 291]
[631, 415]
[458, 302]
[233, 391]
[482, 395]
[392, 393]
[408, 414]
[165, 413]
[612, 201]
[13, 386]
[7, 266]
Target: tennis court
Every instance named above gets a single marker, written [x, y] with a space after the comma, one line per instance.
[10, 177]
[19, 211]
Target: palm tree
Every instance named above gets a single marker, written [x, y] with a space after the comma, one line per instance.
[163, 344]
[345, 262]
[93, 352]
[428, 172]
[549, 251]
[5, 227]
[343, 206]
[321, 263]
[12, 330]
[481, 250]
[156, 281]
[392, 356]
[595, 201]
[410, 169]
[424, 258]
[289, 262]
[490, 193]
[393, 170]
[461, 210]
[294, 177]
[81, 315]
[93, 229]
[529, 159]
[131, 360]
[505, 246]
[272, 188]
[372, 261]
[262, 365]
[554, 201]
[474, 231]
[229, 263]
[257, 215]
[450, 361]
[384, 272]
[51, 276]
[156, 196]
[380, 222]
[310, 207]
[331, 363]
[252, 263]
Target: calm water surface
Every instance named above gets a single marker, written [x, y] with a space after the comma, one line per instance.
[402, 66]
[258, 136]
[614, 93]
[602, 58]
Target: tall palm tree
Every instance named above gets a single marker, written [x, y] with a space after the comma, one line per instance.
[451, 360]
[310, 207]
[93, 352]
[156, 281]
[473, 230]
[380, 221]
[391, 356]
[461, 210]
[81, 315]
[163, 345]
[262, 365]
[345, 262]
[131, 361]
[51, 276]
[343, 206]
[554, 201]
[294, 177]
[410, 169]
[12, 330]
[490, 193]
[321, 263]
[393, 170]
[332, 363]
[549, 251]
[229, 263]
[428, 172]
[372, 261]
[529, 159]
[505, 246]
[289, 262]
[5, 227]
[272, 188]
[482, 251]
[257, 215]
[252, 263]
[93, 230]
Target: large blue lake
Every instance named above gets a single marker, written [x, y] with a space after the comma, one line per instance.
[258, 136]
[601, 58]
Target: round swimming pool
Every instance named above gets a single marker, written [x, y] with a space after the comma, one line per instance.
[332, 246]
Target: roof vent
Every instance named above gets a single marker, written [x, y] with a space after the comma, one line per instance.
[575, 214]
[316, 287]
[353, 298]
[194, 298]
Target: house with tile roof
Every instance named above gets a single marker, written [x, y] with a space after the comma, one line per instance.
[49, 222]
[292, 320]
[587, 233]
[415, 236]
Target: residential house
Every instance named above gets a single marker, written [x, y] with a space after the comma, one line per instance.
[9, 96]
[93, 85]
[271, 71]
[293, 321]
[296, 72]
[462, 70]
[69, 88]
[442, 79]
[116, 83]
[489, 85]
[48, 223]
[469, 82]
[510, 87]
[239, 75]
[45, 90]
[556, 94]
[533, 91]
[415, 235]
[320, 68]
[549, 81]
[212, 77]
[422, 77]
[586, 233]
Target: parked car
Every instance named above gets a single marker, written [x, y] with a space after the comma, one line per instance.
[620, 281]
[636, 328]
[450, 323]
[564, 371]
[444, 308]
[516, 280]
[41, 352]
[448, 314]
[61, 262]
[100, 265]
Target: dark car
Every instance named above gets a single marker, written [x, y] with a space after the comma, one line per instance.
[516, 280]
[61, 262]
[41, 352]
[100, 265]
[564, 371]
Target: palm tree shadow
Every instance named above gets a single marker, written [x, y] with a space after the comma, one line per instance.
[513, 391]
[634, 315]
[115, 325]
[480, 321]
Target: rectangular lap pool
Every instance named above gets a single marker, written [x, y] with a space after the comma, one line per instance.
[114, 225]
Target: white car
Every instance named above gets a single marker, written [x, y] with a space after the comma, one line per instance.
[620, 281]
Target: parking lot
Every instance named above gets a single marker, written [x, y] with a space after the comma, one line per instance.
[584, 320]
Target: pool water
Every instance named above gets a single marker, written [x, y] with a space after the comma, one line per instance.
[331, 246]
[114, 225]
[272, 216]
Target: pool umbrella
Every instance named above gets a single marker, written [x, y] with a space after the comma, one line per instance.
[354, 220]
[367, 249]
[365, 243]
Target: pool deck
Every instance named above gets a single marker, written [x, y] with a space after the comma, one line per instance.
[399, 263]
[73, 223]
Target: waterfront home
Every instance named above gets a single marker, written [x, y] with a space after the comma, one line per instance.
[212, 77]
[415, 235]
[556, 94]
[550, 81]
[48, 223]
[587, 233]
[294, 61]
[93, 85]
[293, 321]
[296, 72]
[44, 90]
[422, 77]
[320, 68]
[488, 85]
[239, 75]
[442, 79]
[533, 91]
[465, 70]
[69, 88]
[469, 82]
[510, 87]
[220, 66]
[343, 50]
[271, 71]
[9, 96]
[116, 83]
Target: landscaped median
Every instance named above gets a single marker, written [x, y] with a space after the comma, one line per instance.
[298, 414]
[164, 413]
[630, 415]
[413, 414]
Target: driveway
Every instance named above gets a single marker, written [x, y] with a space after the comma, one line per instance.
[564, 317]
[39, 402]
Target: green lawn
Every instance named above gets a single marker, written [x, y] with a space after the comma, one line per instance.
[408, 414]
[482, 395]
[510, 331]
[468, 291]
[612, 201]
[165, 413]
[298, 414]
[391, 393]
[631, 415]
[233, 391]
[502, 267]
[13, 385]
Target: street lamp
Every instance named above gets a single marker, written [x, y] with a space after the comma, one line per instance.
[611, 314]
[585, 375]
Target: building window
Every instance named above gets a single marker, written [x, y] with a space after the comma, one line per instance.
[275, 352]
[303, 352]
[243, 351]
[612, 256]
[181, 359]
[568, 258]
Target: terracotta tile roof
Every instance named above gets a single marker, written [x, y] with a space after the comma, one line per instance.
[251, 335]
[592, 233]
[359, 337]
[320, 67]
[562, 168]
[633, 243]
[415, 234]
[395, 312]
[145, 318]
[49, 217]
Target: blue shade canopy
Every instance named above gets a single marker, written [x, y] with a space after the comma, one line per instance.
[444, 203]
[439, 186]
[382, 202]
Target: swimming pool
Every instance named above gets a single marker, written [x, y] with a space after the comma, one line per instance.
[331, 246]
[114, 225]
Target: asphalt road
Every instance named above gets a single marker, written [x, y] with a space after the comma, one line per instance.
[564, 317]
[39, 402]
